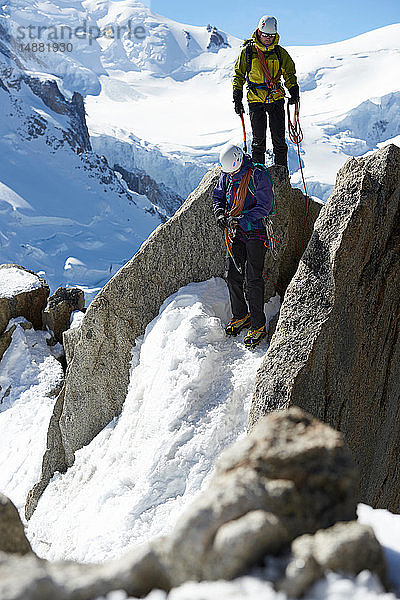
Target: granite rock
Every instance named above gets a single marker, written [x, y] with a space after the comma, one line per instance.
[336, 348]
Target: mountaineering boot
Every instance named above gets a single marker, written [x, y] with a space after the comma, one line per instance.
[235, 326]
[254, 336]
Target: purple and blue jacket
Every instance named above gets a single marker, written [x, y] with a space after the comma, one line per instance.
[259, 198]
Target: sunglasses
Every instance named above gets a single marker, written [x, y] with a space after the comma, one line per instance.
[267, 34]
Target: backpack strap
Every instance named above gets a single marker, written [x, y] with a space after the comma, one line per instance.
[278, 51]
[266, 170]
[249, 57]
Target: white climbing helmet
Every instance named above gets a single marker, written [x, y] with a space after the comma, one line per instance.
[268, 25]
[231, 158]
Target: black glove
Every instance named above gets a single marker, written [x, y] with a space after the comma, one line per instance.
[232, 222]
[294, 94]
[221, 219]
[237, 100]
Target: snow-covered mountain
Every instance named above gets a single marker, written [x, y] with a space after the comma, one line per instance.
[63, 214]
[157, 96]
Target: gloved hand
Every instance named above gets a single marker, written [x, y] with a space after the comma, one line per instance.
[221, 220]
[237, 100]
[232, 222]
[294, 94]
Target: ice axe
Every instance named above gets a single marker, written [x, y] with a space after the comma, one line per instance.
[244, 133]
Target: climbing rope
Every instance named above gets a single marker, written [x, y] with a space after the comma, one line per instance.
[296, 136]
[228, 241]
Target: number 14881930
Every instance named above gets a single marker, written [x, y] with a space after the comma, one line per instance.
[47, 47]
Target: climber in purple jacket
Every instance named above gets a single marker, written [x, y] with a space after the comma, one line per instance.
[240, 211]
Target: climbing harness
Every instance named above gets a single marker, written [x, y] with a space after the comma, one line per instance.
[272, 84]
[296, 136]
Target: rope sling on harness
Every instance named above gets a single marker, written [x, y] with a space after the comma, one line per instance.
[272, 83]
[240, 195]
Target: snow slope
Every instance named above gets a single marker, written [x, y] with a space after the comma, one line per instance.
[188, 398]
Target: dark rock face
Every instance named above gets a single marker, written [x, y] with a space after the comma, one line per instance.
[77, 135]
[336, 349]
[12, 535]
[60, 306]
[217, 39]
[157, 193]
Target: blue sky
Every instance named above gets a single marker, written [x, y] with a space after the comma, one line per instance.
[301, 22]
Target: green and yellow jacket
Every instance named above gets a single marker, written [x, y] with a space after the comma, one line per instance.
[277, 58]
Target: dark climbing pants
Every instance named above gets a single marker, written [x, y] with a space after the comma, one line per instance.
[249, 255]
[275, 113]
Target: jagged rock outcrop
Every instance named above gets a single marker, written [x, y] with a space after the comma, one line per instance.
[70, 339]
[97, 378]
[12, 534]
[346, 548]
[336, 349]
[187, 248]
[23, 293]
[292, 476]
[32, 578]
[158, 193]
[60, 306]
[77, 135]
[291, 228]
[217, 39]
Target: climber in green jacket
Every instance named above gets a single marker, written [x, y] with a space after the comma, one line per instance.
[261, 63]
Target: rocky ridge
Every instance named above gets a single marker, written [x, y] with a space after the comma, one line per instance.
[336, 349]
[189, 247]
